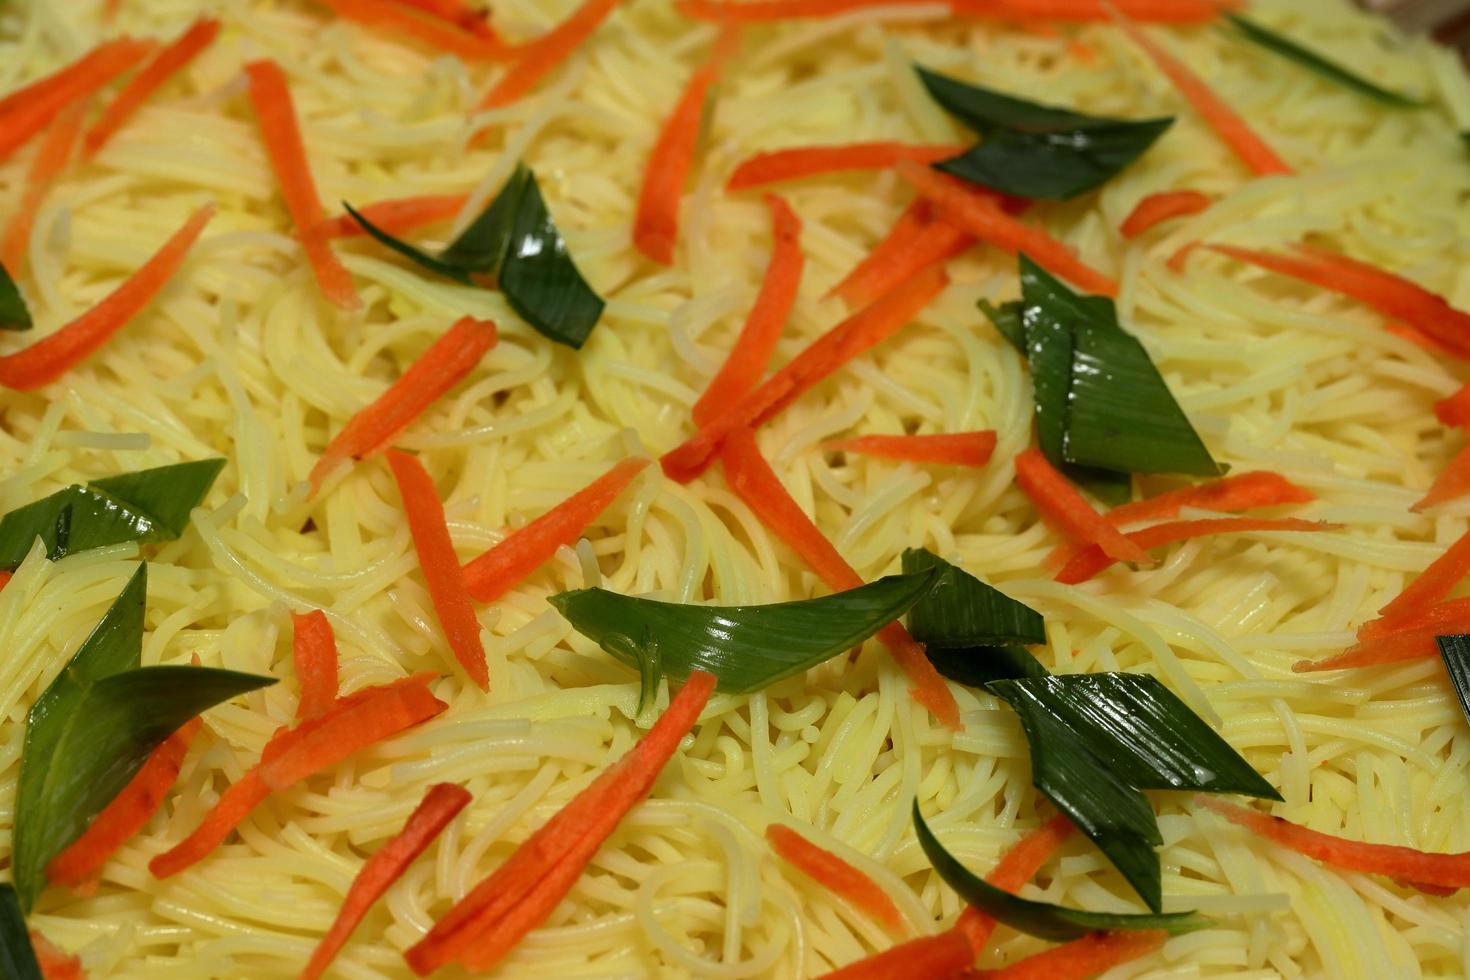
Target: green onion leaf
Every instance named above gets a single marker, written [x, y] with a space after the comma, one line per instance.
[1006, 319]
[94, 727]
[147, 506]
[1455, 652]
[961, 611]
[650, 669]
[17, 958]
[406, 250]
[482, 246]
[13, 312]
[1034, 150]
[1314, 62]
[745, 647]
[1042, 919]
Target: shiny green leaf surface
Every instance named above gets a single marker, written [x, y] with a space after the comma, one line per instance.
[13, 312]
[1455, 652]
[17, 958]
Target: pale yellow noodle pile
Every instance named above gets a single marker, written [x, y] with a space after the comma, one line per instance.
[240, 358]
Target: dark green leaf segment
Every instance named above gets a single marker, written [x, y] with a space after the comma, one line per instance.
[1321, 66]
[13, 312]
[515, 246]
[17, 958]
[1455, 652]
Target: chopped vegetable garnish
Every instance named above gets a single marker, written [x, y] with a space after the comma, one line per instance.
[1158, 208]
[314, 654]
[1454, 410]
[750, 356]
[52, 356]
[78, 866]
[758, 11]
[656, 227]
[1403, 863]
[95, 727]
[1452, 483]
[46, 169]
[1435, 582]
[1319, 65]
[962, 612]
[55, 962]
[1042, 919]
[440, 805]
[943, 448]
[397, 17]
[499, 911]
[13, 312]
[1389, 294]
[754, 482]
[1090, 560]
[1453, 611]
[17, 958]
[946, 954]
[746, 647]
[1033, 150]
[1454, 652]
[457, 12]
[812, 161]
[175, 57]
[276, 113]
[356, 721]
[914, 244]
[978, 213]
[834, 874]
[1066, 512]
[437, 560]
[437, 370]
[398, 216]
[538, 58]
[504, 566]
[1225, 121]
[27, 111]
[1088, 956]
[1409, 643]
[1243, 491]
[851, 338]
[1016, 867]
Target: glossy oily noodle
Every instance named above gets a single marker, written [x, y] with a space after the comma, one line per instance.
[239, 358]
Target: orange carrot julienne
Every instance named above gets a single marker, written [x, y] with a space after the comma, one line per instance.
[1455, 410]
[1392, 648]
[1225, 121]
[656, 227]
[437, 370]
[754, 482]
[55, 963]
[890, 263]
[502, 568]
[1452, 611]
[1406, 863]
[1089, 561]
[411, 20]
[276, 113]
[440, 805]
[854, 336]
[51, 357]
[353, 723]
[1244, 491]
[978, 213]
[1158, 208]
[1156, 11]
[1418, 338]
[1435, 582]
[811, 161]
[752, 352]
[446, 580]
[77, 867]
[1081, 958]
[764, 11]
[1016, 867]
[900, 240]
[833, 873]
[26, 112]
[50, 163]
[314, 654]
[944, 448]
[165, 64]
[537, 58]
[1063, 508]
[456, 12]
[494, 916]
[1452, 483]
[942, 955]
[398, 215]
[5, 578]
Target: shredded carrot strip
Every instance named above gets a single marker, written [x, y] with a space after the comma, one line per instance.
[401, 18]
[1088, 956]
[1065, 511]
[978, 213]
[833, 873]
[1018, 866]
[1156, 11]
[397, 216]
[276, 113]
[50, 163]
[353, 723]
[539, 57]
[945, 448]
[1158, 208]
[439, 806]
[437, 370]
[1226, 122]
[50, 358]
[440, 565]
[5, 578]
[1406, 863]
[55, 963]
[495, 915]
[1451, 484]
[748, 359]
[1435, 582]
[656, 227]
[169, 61]
[110, 9]
[754, 482]
[1392, 648]
[27, 111]
[811, 161]
[852, 337]
[1452, 611]
[941, 955]
[504, 566]
[914, 244]
[78, 866]
[1418, 338]
[314, 654]
[1455, 410]
[1090, 560]
[456, 12]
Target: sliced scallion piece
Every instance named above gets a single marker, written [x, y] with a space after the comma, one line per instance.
[1320, 65]
[17, 957]
[969, 629]
[1455, 652]
[13, 312]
